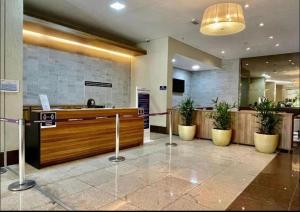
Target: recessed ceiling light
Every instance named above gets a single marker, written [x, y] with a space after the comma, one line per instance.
[277, 44]
[195, 67]
[117, 5]
[248, 48]
[223, 52]
[261, 24]
[267, 62]
[271, 37]
[173, 60]
[293, 63]
[247, 64]
[246, 5]
[290, 60]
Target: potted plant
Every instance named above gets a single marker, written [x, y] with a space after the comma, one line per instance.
[266, 139]
[221, 133]
[187, 131]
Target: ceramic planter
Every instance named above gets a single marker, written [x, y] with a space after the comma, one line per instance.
[266, 143]
[187, 133]
[221, 137]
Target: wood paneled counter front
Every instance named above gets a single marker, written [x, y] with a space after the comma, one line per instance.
[81, 135]
[243, 123]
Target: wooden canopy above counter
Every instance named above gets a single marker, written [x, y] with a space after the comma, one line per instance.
[51, 35]
[82, 137]
[243, 123]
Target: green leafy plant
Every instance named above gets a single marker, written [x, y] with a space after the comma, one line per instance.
[221, 115]
[267, 115]
[186, 109]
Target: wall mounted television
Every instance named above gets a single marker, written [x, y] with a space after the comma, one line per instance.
[178, 85]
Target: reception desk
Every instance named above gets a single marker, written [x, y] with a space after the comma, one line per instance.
[243, 123]
[77, 133]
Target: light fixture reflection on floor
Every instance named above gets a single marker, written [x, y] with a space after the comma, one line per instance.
[223, 19]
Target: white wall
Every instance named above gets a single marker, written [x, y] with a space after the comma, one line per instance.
[177, 47]
[150, 72]
[210, 84]
[156, 69]
[11, 67]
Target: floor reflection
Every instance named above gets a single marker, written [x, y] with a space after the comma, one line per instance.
[195, 175]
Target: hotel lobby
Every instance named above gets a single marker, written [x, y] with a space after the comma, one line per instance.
[122, 105]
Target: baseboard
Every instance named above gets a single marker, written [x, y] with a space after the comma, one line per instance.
[158, 129]
[12, 157]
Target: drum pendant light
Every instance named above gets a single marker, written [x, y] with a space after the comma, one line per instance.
[223, 19]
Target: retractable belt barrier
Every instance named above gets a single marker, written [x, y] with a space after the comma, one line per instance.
[25, 184]
[96, 118]
[22, 184]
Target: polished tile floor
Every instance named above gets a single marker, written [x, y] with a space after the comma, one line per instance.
[275, 188]
[195, 175]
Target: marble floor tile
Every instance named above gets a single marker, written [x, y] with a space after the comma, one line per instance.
[212, 196]
[90, 199]
[120, 186]
[119, 205]
[96, 178]
[49, 207]
[159, 194]
[151, 175]
[155, 136]
[195, 175]
[186, 203]
[121, 169]
[25, 200]
[66, 187]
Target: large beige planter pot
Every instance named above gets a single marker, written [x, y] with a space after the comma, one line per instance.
[266, 143]
[187, 133]
[221, 137]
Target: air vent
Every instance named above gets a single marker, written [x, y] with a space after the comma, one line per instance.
[98, 84]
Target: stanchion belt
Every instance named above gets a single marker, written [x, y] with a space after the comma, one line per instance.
[8, 120]
[93, 118]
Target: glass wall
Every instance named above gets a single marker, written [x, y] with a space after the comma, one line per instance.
[275, 77]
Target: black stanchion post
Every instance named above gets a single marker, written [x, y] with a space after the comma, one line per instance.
[170, 131]
[117, 158]
[22, 184]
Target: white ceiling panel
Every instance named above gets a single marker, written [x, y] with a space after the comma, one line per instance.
[152, 19]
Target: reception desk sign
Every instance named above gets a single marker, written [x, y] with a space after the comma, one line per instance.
[9, 86]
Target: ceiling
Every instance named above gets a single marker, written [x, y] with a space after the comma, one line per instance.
[279, 67]
[152, 19]
[186, 63]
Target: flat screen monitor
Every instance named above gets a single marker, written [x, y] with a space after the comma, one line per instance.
[178, 85]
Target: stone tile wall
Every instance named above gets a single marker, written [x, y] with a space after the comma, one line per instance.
[210, 84]
[61, 75]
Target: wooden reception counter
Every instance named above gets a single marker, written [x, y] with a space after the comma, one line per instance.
[244, 125]
[80, 134]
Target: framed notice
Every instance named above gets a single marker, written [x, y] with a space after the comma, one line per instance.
[44, 102]
[9, 86]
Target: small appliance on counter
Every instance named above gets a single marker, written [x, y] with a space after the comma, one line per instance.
[92, 104]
